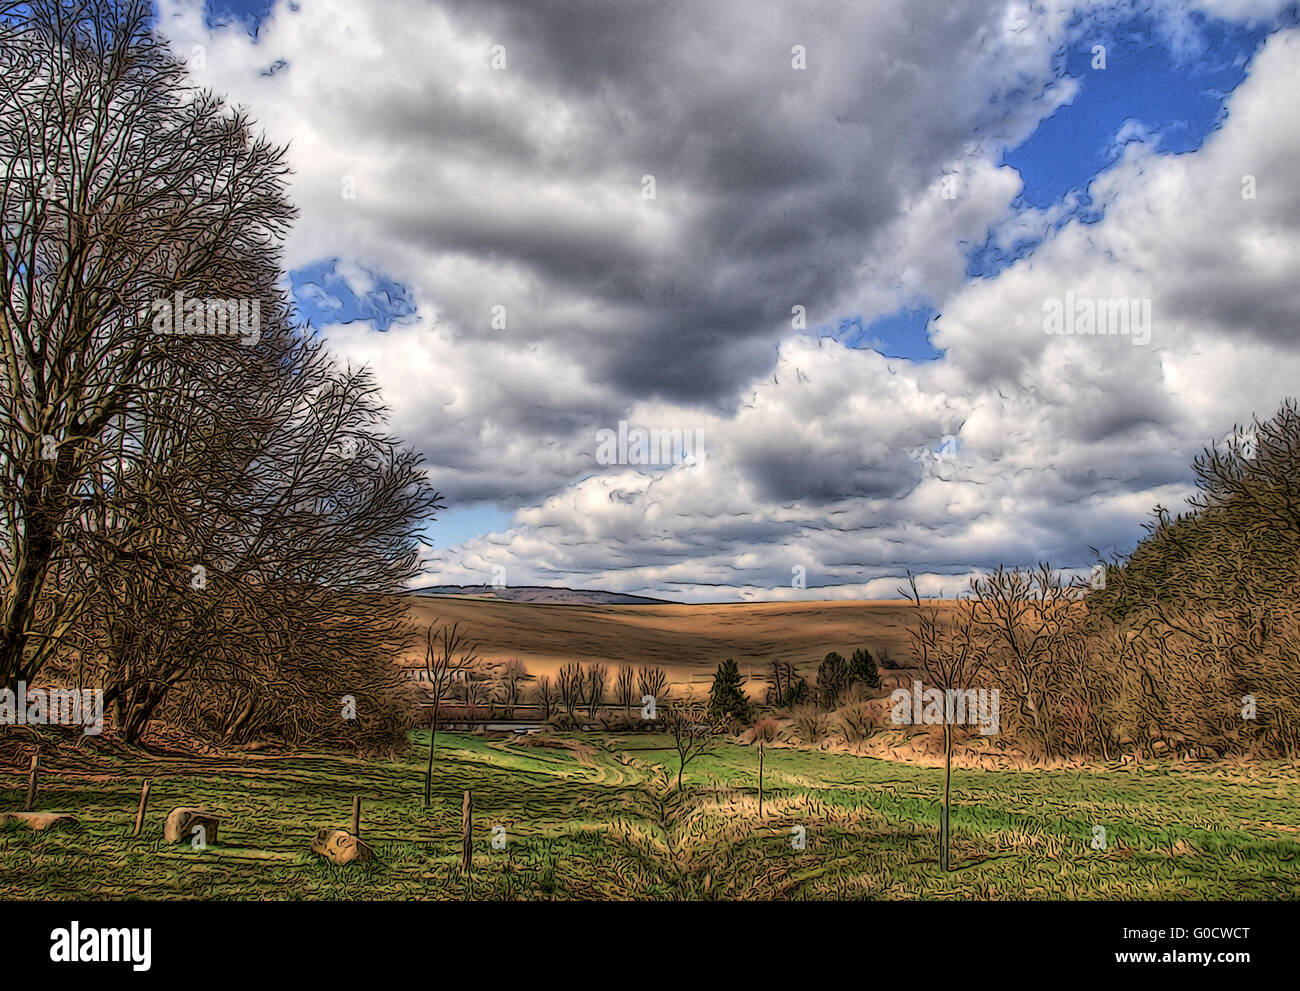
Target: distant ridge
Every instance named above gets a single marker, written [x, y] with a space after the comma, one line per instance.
[543, 595]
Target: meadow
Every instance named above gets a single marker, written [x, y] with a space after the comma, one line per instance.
[589, 816]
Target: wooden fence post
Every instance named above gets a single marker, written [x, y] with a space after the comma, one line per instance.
[356, 816]
[139, 815]
[467, 830]
[31, 782]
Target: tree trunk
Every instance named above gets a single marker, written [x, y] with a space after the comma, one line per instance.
[760, 779]
[245, 714]
[139, 711]
[25, 587]
[428, 774]
[947, 787]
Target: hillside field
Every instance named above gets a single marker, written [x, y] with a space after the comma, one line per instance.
[687, 640]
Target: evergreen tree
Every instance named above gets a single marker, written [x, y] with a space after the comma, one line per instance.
[727, 699]
[863, 668]
[832, 679]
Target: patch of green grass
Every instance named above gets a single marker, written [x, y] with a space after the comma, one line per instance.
[595, 818]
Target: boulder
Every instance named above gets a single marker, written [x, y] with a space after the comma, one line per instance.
[42, 820]
[182, 821]
[341, 847]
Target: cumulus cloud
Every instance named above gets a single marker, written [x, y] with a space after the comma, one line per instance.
[555, 299]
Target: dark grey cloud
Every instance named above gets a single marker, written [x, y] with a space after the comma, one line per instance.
[771, 182]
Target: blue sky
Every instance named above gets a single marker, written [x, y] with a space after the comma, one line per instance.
[1173, 97]
[325, 296]
[247, 13]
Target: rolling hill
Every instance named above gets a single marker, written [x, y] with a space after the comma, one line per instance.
[687, 640]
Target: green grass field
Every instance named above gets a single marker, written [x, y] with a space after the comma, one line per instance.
[594, 818]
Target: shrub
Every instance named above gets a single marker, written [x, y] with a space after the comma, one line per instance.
[809, 724]
[856, 722]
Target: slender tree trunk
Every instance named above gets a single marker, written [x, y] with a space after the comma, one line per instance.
[428, 774]
[245, 714]
[760, 779]
[140, 709]
[947, 786]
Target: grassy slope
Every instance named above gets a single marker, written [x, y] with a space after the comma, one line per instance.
[587, 818]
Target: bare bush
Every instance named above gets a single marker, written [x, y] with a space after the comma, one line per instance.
[597, 675]
[571, 686]
[810, 724]
[653, 681]
[625, 687]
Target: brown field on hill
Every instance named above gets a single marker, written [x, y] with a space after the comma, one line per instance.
[687, 640]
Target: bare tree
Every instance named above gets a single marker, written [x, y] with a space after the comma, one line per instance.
[449, 657]
[475, 691]
[513, 675]
[267, 568]
[692, 737]
[785, 688]
[949, 657]
[625, 687]
[117, 189]
[1026, 614]
[597, 675]
[653, 681]
[545, 694]
[169, 504]
[571, 686]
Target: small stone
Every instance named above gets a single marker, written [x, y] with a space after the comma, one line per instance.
[182, 822]
[341, 847]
